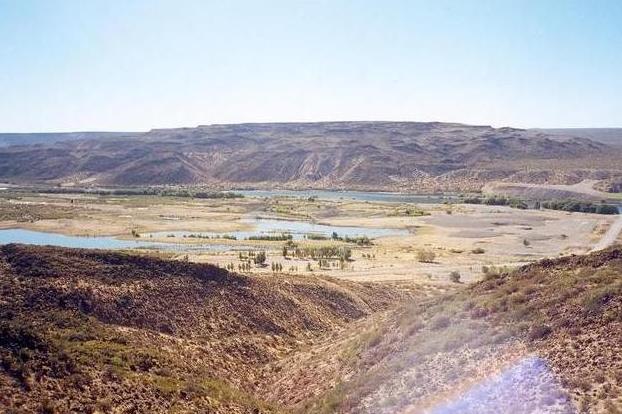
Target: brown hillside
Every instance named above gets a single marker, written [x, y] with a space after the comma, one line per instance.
[91, 331]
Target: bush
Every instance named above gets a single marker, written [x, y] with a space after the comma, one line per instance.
[440, 322]
[596, 300]
[478, 250]
[539, 332]
[497, 201]
[272, 237]
[316, 236]
[322, 252]
[454, 276]
[426, 256]
[580, 206]
[260, 258]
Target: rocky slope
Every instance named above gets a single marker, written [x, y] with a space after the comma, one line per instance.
[365, 155]
[92, 331]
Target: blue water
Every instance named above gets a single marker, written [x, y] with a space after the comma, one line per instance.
[351, 195]
[298, 229]
[54, 239]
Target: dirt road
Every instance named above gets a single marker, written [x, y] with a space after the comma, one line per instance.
[612, 234]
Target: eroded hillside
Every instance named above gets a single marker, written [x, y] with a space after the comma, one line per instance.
[411, 156]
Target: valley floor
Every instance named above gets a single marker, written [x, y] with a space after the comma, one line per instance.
[463, 238]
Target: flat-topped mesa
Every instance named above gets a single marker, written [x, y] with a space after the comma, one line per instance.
[366, 155]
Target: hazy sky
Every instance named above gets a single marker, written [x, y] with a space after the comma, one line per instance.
[136, 65]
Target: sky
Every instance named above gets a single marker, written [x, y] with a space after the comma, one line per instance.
[134, 65]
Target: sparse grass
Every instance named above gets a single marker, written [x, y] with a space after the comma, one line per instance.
[594, 301]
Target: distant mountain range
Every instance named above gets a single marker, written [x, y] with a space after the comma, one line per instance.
[409, 156]
[8, 139]
[610, 136]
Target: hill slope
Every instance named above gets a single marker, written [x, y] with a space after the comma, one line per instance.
[545, 338]
[86, 331]
[365, 155]
[95, 331]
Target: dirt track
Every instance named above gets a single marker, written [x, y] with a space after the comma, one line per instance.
[612, 234]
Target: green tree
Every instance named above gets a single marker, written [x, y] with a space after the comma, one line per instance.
[260, 258]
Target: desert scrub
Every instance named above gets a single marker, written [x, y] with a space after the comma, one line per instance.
[493, 272]
[539, 331]
[368, 339]
[454, 276]
[426, 256]
[597, 300]
[408, 212]
[440, 322]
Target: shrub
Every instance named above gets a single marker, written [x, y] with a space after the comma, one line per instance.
[322, 252]
[260, 258]
[478, 250]
[454, 276]
[580, 206]
[316, 236]
[597, 300]
[426, 256]
[272, 237]
[497, 201]
[440, 322]
[539, 331]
